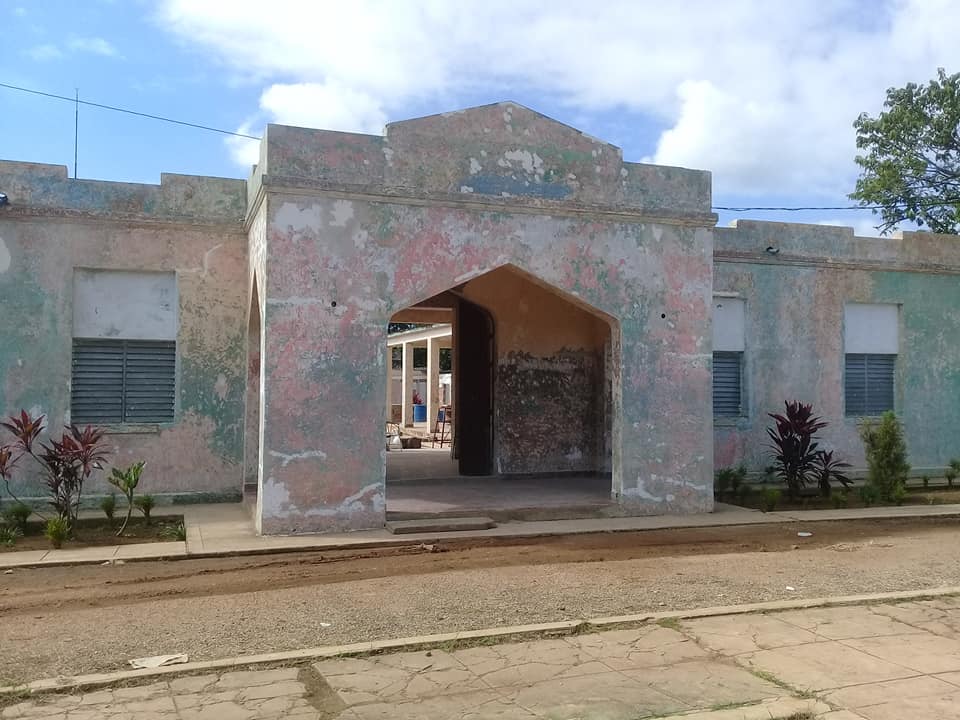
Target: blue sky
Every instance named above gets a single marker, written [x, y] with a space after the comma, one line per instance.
[761, 93]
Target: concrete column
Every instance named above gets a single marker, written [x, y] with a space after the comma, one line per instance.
[433, 381]
[389, 383]
[407, 383]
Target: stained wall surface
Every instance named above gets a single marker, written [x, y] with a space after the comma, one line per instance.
[54, 229]
[550, 394]
[794, 327]
[361, 227]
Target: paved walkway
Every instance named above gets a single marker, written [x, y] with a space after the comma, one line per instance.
[226, 528]
[880, 662]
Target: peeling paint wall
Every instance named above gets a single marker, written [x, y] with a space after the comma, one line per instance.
[794, 304]
[188, 225]
[359, 228]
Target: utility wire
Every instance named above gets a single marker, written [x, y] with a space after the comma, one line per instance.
[129, 112]
[758, 208]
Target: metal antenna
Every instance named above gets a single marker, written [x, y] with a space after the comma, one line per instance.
[76, 129]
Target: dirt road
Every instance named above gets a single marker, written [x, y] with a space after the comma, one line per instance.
[87, 619]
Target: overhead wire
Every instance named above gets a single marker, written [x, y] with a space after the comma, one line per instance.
[209, 128]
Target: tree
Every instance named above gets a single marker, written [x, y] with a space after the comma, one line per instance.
[911, 161]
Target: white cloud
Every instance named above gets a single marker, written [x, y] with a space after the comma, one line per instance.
[93, 45]
[42, 53]
[309, 105]
[763, 94]
[244, 151]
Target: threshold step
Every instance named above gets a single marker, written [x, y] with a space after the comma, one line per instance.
[434, 525]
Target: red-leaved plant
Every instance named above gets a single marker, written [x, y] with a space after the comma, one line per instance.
[66, 463]
[794, 445]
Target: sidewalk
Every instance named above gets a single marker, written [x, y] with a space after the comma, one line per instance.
[877, 662]
[226, 529]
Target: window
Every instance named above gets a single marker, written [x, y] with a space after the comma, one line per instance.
[123, 381]
[124, 367]
[727, 373]
[868, 384]
[728, 347]
[871, 339]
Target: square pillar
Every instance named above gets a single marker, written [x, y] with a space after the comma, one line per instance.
[433, 381]
[406, 416]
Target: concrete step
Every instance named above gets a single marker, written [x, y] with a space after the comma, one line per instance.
[437, 525]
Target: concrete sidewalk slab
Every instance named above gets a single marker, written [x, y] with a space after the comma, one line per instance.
[226, 529]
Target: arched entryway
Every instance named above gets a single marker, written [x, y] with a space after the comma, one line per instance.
[533, 372]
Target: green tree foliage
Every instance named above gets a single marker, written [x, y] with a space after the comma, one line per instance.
[911, 156]
[886, 450]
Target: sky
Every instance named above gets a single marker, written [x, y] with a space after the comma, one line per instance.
[763, 93]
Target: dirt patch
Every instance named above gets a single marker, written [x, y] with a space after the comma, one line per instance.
[93, 532]
[90, 618]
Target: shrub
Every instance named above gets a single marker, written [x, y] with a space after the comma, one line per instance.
[721, 483]
[869, 495]
[899, 494]
[926, 481]
[145, 504]
[729, 479]
[57, 530]
[794, 445]
[9, 535]
[828, 469]
[126, 481]
[952, 471]
[16, 516]
[65, 463]
[109, 506]
[886, 452]
[175, 532]
[743, 494]
[841, 499]
[771, 496]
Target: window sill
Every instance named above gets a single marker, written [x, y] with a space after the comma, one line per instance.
[131, 429]
[859, 420]
[728, 421]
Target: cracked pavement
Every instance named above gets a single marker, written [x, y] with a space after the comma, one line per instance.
[873, 662]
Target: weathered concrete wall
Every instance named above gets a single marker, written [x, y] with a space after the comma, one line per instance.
[342, 259]
[549, 397]
[187, 225]
[794, 303]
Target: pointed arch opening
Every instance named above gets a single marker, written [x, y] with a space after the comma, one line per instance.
[520, 419]
[252, 481]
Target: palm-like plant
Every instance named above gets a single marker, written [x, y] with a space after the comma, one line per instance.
[794, 446]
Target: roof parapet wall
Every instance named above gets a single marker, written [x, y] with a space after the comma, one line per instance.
[805, 244]
[495, 153]
[44, 190]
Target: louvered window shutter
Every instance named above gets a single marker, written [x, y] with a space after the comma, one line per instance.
[123, 381]
[868, 384]
[727, 376]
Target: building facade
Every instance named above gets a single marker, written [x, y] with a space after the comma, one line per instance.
[234, 333]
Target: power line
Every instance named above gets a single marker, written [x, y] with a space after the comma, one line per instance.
[76, 101]
[129, 112]
[922, 203]
[799, 209]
